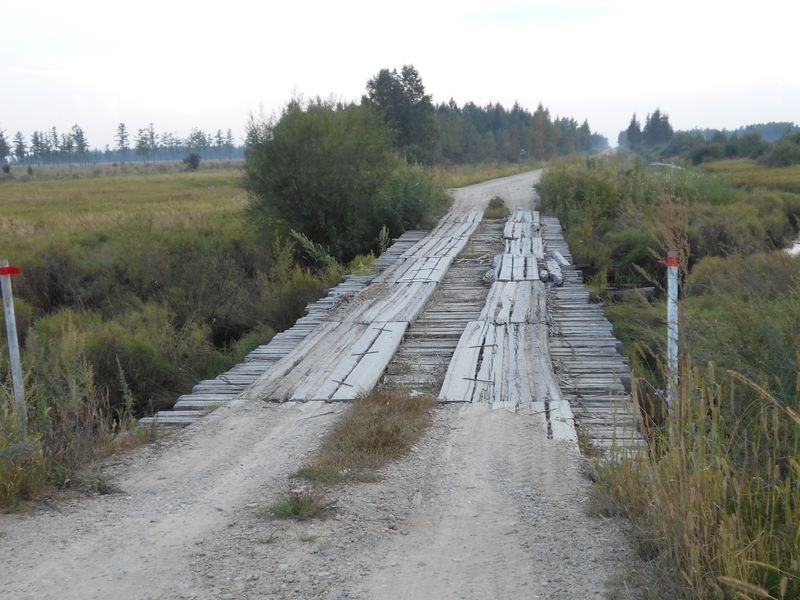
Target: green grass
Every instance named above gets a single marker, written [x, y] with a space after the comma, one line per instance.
[749, 174]
[56, 207]
[377, 429]
[496, 209]
[301, 506]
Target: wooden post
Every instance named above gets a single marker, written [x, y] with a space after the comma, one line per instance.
[672, 328]
[13, 345]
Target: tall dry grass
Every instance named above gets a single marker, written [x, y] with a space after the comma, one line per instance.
[716, 501]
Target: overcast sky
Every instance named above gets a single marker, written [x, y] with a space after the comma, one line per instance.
[183, 64]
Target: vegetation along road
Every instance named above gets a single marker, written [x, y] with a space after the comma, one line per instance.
[486, 504]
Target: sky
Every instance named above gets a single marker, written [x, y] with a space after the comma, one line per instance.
[182, 64]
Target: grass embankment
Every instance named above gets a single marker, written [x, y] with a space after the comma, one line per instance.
[714, 501]
[377, 429]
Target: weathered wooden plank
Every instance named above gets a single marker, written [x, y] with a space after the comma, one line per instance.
[372, 365]
[459, 381]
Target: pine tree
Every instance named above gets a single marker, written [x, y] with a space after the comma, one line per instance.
[122, 137]
[81, 143]
[633, 134]
[20, 149]
[5, 149]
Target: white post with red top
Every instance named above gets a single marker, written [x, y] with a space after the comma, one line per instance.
[13, 344]
[672, 328]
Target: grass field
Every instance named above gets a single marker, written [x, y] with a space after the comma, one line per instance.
[56, 207]
[748, 173]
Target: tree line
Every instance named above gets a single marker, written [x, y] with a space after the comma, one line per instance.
[449, 133]
[342, 173]
[48, 146]
[473, 133]
[773, 144]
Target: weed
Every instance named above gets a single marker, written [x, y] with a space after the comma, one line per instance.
[715, 500]
[587, 446]
[496, 209]
[378, 428]
[94, 484]
[301, 506]
[270, 539]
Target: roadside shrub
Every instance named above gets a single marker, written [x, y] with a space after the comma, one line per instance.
[328, 172]
[23, 467]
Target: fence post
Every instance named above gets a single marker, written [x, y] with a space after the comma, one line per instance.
[672, 327]
[13, 344]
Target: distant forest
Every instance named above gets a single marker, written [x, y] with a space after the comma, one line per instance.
[48, 146]
[447, 133]
[772, 144]
[473, 133]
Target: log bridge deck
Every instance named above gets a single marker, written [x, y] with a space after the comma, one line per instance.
[477, 310]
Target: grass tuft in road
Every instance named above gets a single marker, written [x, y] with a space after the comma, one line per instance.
[301, 505]
[496, 209]
[378, 428]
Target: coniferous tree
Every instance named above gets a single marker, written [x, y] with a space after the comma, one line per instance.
[122, 137]
[81, 143]
[5, 149]
[67, 147]
[229, 143]
[407, 109]
[141, 145]
[633, 134]
[20, 149]
[657, 129]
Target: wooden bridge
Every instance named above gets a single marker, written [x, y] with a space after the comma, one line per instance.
[487, 311]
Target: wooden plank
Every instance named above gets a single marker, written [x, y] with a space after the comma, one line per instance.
[459, 381]
[484, 382]
[506, 267]
[518, 268]
[372, 365]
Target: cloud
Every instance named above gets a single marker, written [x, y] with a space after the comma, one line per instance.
[526, 15]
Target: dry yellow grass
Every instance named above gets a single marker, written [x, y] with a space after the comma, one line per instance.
[378, 428]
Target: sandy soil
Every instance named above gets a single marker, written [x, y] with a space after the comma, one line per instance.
[485, 507]
[516, 190]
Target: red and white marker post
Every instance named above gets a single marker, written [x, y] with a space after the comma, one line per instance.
[13, 344]
[672, 328]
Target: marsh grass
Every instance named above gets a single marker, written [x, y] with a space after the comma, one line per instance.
[377, 429]
[57, 208]
[750, 174]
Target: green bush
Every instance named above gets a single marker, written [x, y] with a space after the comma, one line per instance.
[785, 152]
[328, 172]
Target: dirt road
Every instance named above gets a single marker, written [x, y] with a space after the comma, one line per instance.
[485, 507]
